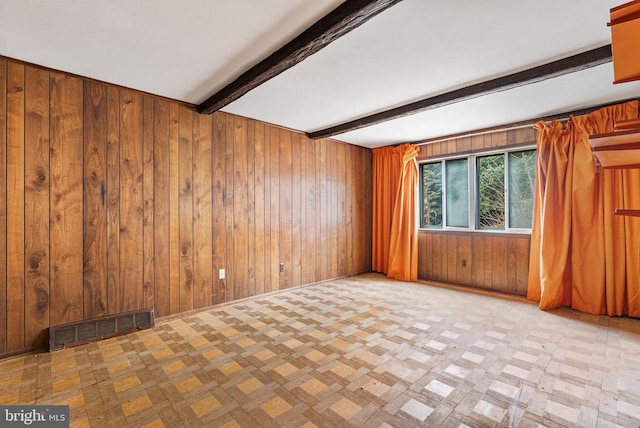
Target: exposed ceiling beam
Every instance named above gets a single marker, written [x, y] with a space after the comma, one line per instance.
[550, 70]
[346, 17]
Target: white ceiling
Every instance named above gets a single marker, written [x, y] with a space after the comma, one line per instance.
[187, 50]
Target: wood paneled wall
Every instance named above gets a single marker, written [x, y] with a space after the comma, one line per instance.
[113, 200]
[491, 261]
[477, 143]
[480, 260]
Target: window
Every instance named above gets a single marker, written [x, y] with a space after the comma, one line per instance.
[432, 195]
[498, 187]
[522, 175]
[457, 186]
[491, 192]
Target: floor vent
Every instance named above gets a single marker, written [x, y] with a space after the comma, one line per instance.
[81, 332]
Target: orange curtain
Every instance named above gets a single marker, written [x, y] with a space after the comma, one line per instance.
[388, 177]
[581, 254]
[387, 162]
[403, 248]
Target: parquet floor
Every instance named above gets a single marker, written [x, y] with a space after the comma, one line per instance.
[362, 351]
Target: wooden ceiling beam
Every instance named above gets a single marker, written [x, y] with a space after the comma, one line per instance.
[346, 17]
[537, 74]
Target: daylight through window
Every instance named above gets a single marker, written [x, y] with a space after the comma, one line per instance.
[498, 187]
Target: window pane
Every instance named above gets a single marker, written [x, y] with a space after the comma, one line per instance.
[457, 190]
[522, 174]
[432, 195]
[491, 192]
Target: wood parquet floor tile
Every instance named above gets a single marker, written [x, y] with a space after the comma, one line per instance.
[362, 351]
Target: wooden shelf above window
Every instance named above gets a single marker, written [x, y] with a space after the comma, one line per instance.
[619, 149]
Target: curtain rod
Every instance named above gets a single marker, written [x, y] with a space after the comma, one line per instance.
[523, 124]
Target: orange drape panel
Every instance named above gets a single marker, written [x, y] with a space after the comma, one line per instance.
[387, 162]
[581, 255]
[388, 167]
[403, 248]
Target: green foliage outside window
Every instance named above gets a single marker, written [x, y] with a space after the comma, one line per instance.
[432, 195]
[498, 204]
[491, 192]
[522, 176]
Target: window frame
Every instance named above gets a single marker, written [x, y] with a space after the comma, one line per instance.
[473, 189]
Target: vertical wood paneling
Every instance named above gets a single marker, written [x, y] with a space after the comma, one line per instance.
[498, 139]
[259, 205]
[202, 213]
[499, 264]
[66, 212]
[357, 190]
[488, 141]
[367, 171]
[477, 142]
[333, 204]
[511, 262]
[522, 265]
[340, 224]
[305, 236]
[251, 209]
[324, 244]
[440, 245]
[15, 206]
[463, 144]
[95, 199]
[274, 149]
[3, 205]
[240, 212]
[452, 258]
[426, 151]
[493, 261]
[219, 244]
[131, 201]
[464, 253]
[36, 206]
[488, 261]
[165, 198]
[525, 135]
[297, 210]
[229, 197]
[429, 252]
[477, 260]
[161, 186]
[113, 200]
[148, 241]
[427, 249]
[452, 146]
[435, 149]
[349, 200]
[174, 209]
[311, 218]
[422, 256]
[437, 257]
[285, 208]
[268, 180]
[185, 168]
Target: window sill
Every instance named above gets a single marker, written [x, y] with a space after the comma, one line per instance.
[491, 233]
